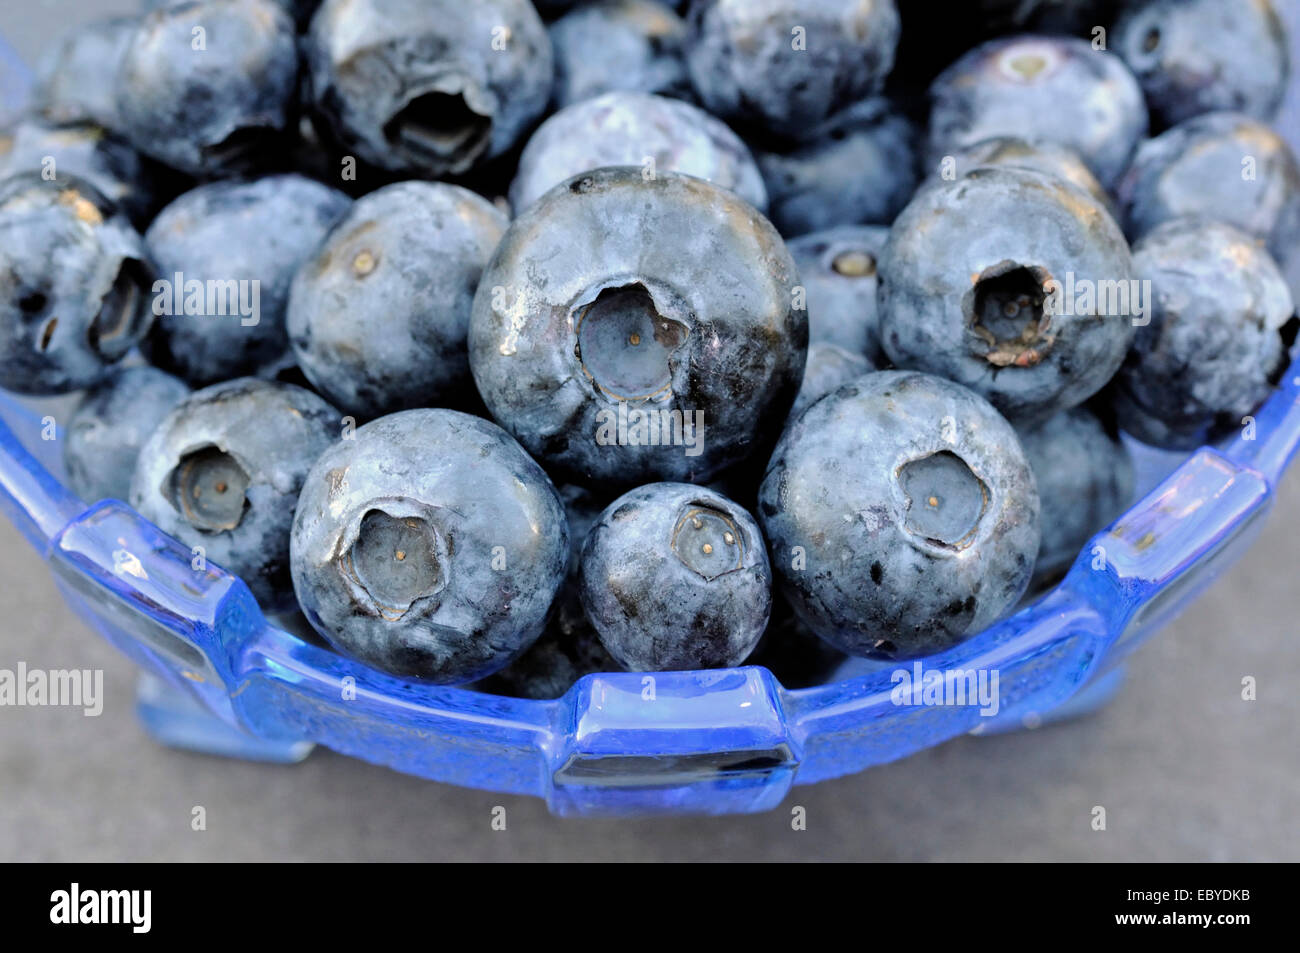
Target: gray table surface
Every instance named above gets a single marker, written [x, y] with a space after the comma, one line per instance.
[1185, 768]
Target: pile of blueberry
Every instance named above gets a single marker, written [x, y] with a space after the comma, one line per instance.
[514, 342]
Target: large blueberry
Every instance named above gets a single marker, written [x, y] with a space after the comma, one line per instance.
[629, 330]
[223, 470]
[428, 87]
[203, 86]
[857, 166]
[1055, 88]
[1085, 479]
[74, 284]
[429, 545]
[901, 515]
[379, 314]
[225, 254]
[1198, 56]
[111, 423]
[837, 269]
[630, 45]
[675, 576]
[1013, 283]
[786, 65]
[1214, 342]
[1223, 166]
[627, 128]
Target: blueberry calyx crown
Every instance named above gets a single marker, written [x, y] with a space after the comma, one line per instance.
[625, 344]
[854, 263]
[1006, 310]
[708, 542]
[395, 559]
[209, 487]
[448, 125]
[115, 328]
[944, 501]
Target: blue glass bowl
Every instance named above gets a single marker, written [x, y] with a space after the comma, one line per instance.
[224, 679]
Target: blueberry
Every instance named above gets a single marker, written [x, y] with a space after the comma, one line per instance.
[116, 170]
[75, 80]
[223, 471]
[378, 316]
[655, 133]
[111, 423]
[1049, 158]
[901, 515]
[429, 546]
[787, 65]
[676, 577]
[837, 269]
[629, 330]
[858, 166]
[74, 282]
[829, 366]
[428, 87]
[1013, 283]
[1199, 56]
[626, 45]
[226, 253]
[1206, 359]
[1059, 88]
[1223, 166]
[203, 86]
[1085, 480]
